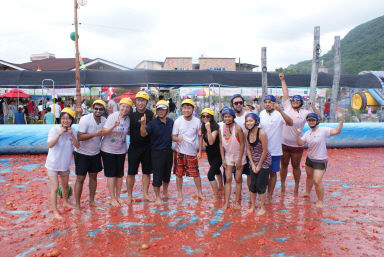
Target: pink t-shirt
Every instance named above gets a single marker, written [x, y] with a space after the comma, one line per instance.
[298, 118]
[317, 143]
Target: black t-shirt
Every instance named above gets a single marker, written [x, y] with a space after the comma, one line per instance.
[172, 107]
[135, 119]
[213, 150]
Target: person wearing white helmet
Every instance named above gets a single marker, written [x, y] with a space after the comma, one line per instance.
[139, 151]
[185, 130]
[159, 131]
[293, 107]
[114, 148]
[317, 158]
[61, 141]
[87, 156]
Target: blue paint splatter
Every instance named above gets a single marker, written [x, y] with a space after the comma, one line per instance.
[329, 221]
[199, 233]
[181, 226]
[283, 211]
[281, 239]
[335, 194]
[217, 218]
[21, 187]
[226, 225]
[251, 235]
[30, 166]
[93, 233]
[345, 185]
[191, 251]
[277, 255]
[173, 223]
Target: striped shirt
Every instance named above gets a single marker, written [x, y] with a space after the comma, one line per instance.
[256, 149]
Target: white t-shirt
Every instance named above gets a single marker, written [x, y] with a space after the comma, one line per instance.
[57, 109]
[189, 130]
[116, 141]
[112, 104]
[240, 120]
[317, 143]
[272, 124]
[85, 109]
[88, 125]
[60, 156]
[298, 118]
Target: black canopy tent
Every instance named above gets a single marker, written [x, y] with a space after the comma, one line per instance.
[165, 78]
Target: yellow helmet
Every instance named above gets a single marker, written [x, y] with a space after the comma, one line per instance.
[126, 100]
[101, 102]
[162, 102]
[142, 94]
[69, 111]
[188, 101]
[209, 111]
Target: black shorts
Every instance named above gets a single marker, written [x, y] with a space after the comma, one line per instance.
[246, 168]
[113, 164]
[215, 163]
[316, 165]
[259, 181]
[87, 163]
[137, 155]
[162, 169]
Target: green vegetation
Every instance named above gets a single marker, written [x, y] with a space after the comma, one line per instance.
[362, 49]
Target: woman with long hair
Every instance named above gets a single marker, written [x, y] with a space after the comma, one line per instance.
[210, 132]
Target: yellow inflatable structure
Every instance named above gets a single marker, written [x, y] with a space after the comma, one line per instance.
[363, 99]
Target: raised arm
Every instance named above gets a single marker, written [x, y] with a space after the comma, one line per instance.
[284, 87]
[54, 140]
[337, 130]
[299, 141]
[286, 118]
[315, 110]
[143, 124]
[106, 131]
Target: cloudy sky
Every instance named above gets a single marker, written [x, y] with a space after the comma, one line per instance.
[127, 32]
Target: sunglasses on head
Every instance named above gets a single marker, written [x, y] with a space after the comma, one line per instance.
[98, 109]
[204, 116]
[237, 103]
[311, 120]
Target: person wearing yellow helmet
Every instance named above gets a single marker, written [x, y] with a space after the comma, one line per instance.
[159, 131]
[185, 130]
[61, 142]
[87, 156]
[114, 148]
[210, 131]
[139, 151]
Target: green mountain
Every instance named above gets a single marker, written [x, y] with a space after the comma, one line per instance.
[361, 49]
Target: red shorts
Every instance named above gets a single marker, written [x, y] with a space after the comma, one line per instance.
[185, 165]
[292, 149]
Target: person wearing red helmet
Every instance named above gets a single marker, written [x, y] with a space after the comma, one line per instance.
[293, 107]
[317, 158]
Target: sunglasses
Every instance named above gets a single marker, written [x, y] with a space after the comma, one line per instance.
[237, 103]
[98, 109]
[204, 116]
[295, 100]
[311, 120]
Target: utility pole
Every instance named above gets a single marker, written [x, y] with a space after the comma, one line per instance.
[77, 65]
[315, 64]
[336, 78]
[264, 74]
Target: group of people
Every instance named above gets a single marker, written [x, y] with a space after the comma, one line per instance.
[243, 143]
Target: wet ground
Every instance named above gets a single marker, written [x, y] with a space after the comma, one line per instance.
[350, 224]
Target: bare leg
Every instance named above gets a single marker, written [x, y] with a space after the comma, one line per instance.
[78, 190]
[197, 181]
[111, 184]
[64, 184]
[179, 182]
[262, 204]
[239, 182]
[295, 161]
[271, 184]
[284, 169]
[253, 201]
[227, 186]
[92, 177]
[145, 180]
[319, 187]
[157, 193]
[215, 190]
[118, 185]
[54, 185]
[309, 181]
[130, 183]
[165, 190]
[219, 178]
